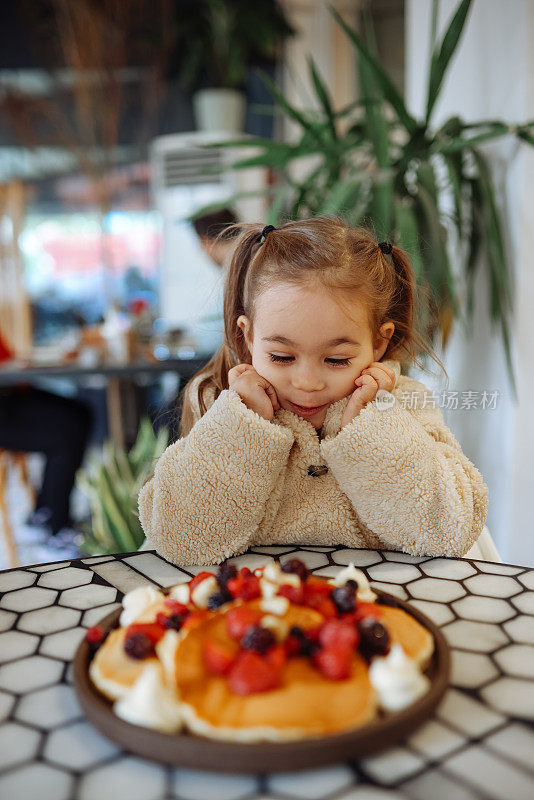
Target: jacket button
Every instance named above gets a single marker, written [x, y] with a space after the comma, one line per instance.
[316, 472]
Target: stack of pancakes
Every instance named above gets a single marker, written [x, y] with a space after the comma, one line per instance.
[305, 702]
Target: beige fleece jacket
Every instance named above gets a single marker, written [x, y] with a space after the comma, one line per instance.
[396, 478]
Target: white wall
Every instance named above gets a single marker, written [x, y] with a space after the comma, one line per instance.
[492, 77]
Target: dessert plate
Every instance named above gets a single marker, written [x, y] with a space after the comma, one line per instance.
[189, 750]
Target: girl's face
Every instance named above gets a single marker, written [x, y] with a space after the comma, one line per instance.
[308, 348]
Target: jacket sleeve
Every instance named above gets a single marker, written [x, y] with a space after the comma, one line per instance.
[209, 489]
[406, 476]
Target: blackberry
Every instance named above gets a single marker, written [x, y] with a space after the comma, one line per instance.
[219, 598]
[224, 573]
[139, 646]
[258, 639]
[307, 647]
[374, 638]
[175, 621]
[344, 598]
[297, 567]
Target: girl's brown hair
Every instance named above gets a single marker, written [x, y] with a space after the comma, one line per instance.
[347, 261]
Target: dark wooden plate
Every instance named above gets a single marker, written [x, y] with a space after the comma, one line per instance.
[190, 750]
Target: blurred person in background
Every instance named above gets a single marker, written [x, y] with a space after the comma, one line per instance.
[208, 228]
[35, 421]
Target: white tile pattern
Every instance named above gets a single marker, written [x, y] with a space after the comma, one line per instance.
[479, 743]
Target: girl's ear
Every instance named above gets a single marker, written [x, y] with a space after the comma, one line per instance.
[244, 324]
[386, 332]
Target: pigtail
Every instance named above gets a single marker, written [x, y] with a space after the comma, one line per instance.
[213, 378]
[403, 310]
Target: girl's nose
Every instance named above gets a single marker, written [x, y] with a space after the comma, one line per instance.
[307, 381]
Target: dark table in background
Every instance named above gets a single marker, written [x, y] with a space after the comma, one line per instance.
[114, 374]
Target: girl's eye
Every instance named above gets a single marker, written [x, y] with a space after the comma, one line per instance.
[341, 362]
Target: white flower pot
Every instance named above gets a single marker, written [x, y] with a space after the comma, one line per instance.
[219, 110]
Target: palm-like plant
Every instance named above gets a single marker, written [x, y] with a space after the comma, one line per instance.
[398, 171]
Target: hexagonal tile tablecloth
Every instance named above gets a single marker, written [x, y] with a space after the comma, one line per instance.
[479, 744]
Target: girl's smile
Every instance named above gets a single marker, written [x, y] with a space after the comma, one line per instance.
[308, 347]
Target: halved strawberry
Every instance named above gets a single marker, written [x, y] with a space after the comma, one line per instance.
[252, 673]
[198, 579]
[321, 604]
[276, 656]
[366, 610]
[245, 586]
[218, 657]
[174, 606]
[336, 633]
[152, 630]
[334, 662]
[94, 634]
[295, 594]
[239, 619]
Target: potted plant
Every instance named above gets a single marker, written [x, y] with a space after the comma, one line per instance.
[217, 40]
[112, 481]
[373, 160]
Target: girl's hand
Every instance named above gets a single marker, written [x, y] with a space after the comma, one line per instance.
[374, 377]
[256, 392]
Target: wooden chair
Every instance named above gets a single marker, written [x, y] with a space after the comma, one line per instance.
[7, 459]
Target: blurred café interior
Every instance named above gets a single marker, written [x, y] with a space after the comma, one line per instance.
[120, 124]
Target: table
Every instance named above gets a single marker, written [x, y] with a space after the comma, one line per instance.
[479, 743]
[184, 367]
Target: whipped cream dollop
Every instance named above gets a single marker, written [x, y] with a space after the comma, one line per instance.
[150, 703]
[166, 652]
[273, 577]
[364, 591]
[180, 592]
[397, 679]
[203, 591]
[275, 605]
[137, 601]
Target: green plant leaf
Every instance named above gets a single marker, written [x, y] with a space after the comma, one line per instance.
[440, 60]
[322, 94]
[408, 234]
[386, 85]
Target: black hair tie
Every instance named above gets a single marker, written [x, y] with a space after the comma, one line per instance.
[386, 247]
[265, 231]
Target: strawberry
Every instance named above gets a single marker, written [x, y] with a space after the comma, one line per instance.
[252, 673]
[336, 633]
[239, 619]
[295, 594]
[174, 606]
[334, 662]
[152, 630]
[198, 579]
[322, 604]
[218, 657]
[366, 610]
[246, 586]
[276, 657]
[95, 634]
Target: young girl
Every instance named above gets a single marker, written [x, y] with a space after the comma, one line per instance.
[301, 428]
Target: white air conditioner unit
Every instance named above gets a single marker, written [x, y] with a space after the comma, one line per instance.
[190, 284]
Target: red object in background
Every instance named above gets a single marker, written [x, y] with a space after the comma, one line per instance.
[138, 306]
[5, 352]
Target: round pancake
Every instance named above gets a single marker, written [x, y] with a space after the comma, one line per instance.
[417, 642]
[112, 671]
[305, 704]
